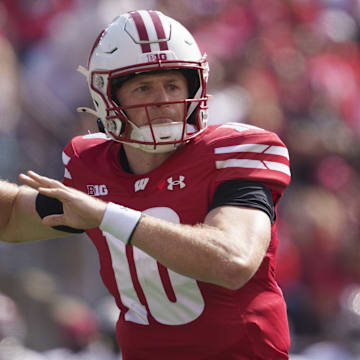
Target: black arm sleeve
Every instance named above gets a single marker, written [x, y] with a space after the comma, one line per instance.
[244, 193]
[46, 205]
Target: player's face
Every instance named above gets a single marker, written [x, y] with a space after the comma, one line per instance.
[154, 88]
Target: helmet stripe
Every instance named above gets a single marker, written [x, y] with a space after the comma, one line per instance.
[141, 29]
[160, 32]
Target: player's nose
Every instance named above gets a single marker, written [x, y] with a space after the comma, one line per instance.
[161, 95]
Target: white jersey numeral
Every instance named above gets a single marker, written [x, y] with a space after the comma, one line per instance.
[188, 303]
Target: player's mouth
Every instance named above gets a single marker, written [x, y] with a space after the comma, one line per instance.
[158, 121]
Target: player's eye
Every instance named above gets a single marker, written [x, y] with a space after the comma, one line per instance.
[142, 88]
[172, 87]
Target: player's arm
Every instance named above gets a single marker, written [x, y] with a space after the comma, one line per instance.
[19, 220]
[226, 249]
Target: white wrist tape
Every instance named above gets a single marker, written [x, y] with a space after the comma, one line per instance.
[120, 221]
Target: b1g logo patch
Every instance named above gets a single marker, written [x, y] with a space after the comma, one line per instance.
[156, 57]
[97, 190]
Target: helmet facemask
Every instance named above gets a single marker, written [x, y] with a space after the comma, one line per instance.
[154, 137]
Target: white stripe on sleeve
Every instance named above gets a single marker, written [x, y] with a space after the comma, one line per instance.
[255, 148]
[272, 165]
[253, 164]
[278, 150]
[67, 174]
[66, 159]
[242, 163]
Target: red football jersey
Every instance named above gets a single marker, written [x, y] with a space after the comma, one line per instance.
[165, 315]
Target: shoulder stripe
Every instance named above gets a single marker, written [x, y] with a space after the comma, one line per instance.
[243, 163]
[66, 159]
[240, 127]
[256, 148]
[273, 165]
[67, 174]
[278, 150]
[253, 164]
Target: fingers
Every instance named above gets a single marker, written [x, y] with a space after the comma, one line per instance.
[60, 194]
[44, 181]
[35, 181]
[45, 185]
[29, 181]
[53, 220]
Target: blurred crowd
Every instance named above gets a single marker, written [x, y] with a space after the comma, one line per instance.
[290, 66]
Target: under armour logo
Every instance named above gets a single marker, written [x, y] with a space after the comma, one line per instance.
[141, 184]
[173, 183]
[97, 190]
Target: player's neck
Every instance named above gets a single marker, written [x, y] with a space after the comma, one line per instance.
[142, 162]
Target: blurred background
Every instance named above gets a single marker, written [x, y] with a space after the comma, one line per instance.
[290, 66]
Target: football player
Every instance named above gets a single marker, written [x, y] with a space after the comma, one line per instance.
[183, 215]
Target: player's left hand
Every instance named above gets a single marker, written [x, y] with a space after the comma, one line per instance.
[81, 211]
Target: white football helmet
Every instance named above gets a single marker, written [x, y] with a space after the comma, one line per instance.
[138, 42]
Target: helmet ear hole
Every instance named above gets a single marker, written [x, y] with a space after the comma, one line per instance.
[100, 125]
[192, 118]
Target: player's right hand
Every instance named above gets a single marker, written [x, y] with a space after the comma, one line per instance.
[80, 210]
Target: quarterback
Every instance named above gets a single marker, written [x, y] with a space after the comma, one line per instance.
[182, 214]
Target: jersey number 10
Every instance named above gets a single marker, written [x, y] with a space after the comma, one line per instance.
[188, 304]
